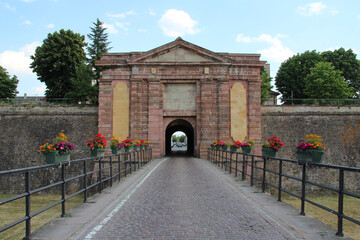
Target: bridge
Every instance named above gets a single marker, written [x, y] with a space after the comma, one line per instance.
[182, 197]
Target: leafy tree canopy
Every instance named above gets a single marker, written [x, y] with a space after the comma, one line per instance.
[346, 62]
[290, 78]
[325, 82]
[8, 84]
[55, 62]
[265, 84]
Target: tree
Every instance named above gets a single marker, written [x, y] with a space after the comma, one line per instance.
[83, 89]
[99, 45]
[290, 78]
[8, 84]
[326, 83]
[182, 138]
[346, 62]
[265, 84]
[55, 62]
[174, 138]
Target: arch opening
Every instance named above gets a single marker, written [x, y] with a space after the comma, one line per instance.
[180, 125]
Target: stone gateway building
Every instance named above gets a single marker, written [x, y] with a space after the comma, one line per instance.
[180, 87]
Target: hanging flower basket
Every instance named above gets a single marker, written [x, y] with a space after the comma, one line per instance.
[268, 152]
[55, 157]
[115, 151]
[246, 149]
[97, 152]
[233, 149]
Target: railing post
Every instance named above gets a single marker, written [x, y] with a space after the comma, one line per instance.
[100, 175]
[243, 176]
[340, 203]
[226, 158]
[264, 175]
[236, 164]
[252, 171]
[138, 159]
[28, 206]
[111, 178]
[280, 181]
[231, 154]
[125, 162]
[119, 168]
[63, 190]
[85, 181]
[303, 182]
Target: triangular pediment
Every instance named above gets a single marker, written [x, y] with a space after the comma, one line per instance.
[179, 51]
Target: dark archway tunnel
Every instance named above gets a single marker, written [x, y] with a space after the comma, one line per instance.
[185, 127]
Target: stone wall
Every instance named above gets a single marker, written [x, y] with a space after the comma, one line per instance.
[338, 126]
[24, 128]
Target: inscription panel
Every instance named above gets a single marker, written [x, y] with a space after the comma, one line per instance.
[179, 97]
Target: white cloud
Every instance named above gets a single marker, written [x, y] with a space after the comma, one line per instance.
[28, 0]
[122, 25]
[50, 25]
[176, 23]
[241, 38]
[40, 89]
[121, 15]
[110, 28]
[26, 22]
[151, 12]
[18, 62]
[6, 5]
[310, 9]
[276, 52]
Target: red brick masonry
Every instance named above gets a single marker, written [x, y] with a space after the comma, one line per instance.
[214, 74]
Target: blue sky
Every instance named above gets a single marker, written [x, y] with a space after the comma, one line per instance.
[276, 29]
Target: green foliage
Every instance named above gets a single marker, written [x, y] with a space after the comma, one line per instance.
[290, 78]
[83, 90]
[182, 138]
[174, 138]
[55, 62]
[325, 82]
[8, 84]
[265, 84]
[346, 62]
[99, 45]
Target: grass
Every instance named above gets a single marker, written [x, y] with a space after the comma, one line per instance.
[351, 209]
[15, 210]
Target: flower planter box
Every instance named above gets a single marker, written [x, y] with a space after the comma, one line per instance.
[98, 152]
[136, 148]
[268, 152]
[54, 157]
[115, 151]
[246, 150]
[233, 149]
[218, 147]
[309, 156]
[127, 149]
[224, 148]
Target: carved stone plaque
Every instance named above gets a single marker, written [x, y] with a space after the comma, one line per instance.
[180, 97]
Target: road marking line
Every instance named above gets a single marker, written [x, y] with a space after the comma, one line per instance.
[117, 208]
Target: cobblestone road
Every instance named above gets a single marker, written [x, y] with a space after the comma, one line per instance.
[183, 198]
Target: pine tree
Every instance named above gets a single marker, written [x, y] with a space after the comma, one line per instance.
[99, 45]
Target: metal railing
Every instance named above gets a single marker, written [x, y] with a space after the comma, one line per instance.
[256, 168]
[109, 169]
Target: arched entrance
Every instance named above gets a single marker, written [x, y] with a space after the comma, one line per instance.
[183, 126]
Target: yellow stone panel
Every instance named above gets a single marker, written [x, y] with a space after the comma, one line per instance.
[238, 112]
[121, 111]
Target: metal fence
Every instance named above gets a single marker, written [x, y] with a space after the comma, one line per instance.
[256, 168]
[107, 169]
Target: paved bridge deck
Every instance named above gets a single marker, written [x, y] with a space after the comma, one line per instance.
[184, 198]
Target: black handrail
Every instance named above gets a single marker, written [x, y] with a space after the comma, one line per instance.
[129, 160]
[242, 165]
